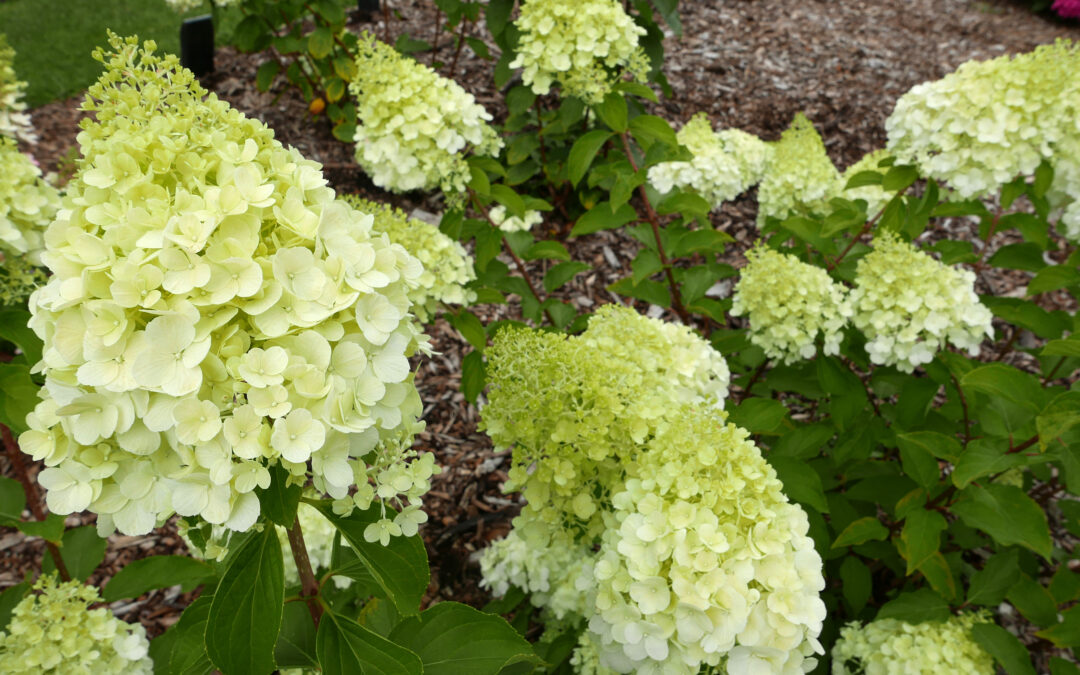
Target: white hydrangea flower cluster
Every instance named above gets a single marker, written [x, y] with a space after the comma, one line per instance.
[799, 177]
[990, 121]
[213, 312]
[508, 223]
[788, 304]
[27, 205]
[632, 481]
[725, 164]
[448, 268]
[874, 195]
[892, 647]
[14, 120]
[586, 46]
[909, 305]
[1064, 192]
[52, 630]
[414, 126]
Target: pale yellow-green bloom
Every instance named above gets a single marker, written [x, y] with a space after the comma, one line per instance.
[414, 127]
[788, 304]
[14, 120]
[209, 317]
[725, 163]
[799, 177]
[908, 305]
[53, 630]
[27, 204]
[448, 268]
[584, 46]
[892, 647]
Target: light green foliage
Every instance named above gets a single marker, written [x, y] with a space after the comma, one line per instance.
[788, 304]
[990, 121]
[447, 266]
[53, 630]
[14, 121]
[584, 46]
[214, 311]
[633, 482]
[799, 177]
[893, 647]
[874, 195]
[414, 127]
[909, 305]
[725, 164]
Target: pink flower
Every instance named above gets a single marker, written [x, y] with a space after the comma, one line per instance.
[1069, 9]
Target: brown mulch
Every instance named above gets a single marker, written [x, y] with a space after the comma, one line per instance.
[750, 64]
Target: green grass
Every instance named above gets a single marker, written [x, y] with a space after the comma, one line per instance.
[53, 38]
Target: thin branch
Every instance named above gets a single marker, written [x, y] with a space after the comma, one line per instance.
[964, 406]
[309, 585]
[33, 497]
[457, 50]
[654, 221]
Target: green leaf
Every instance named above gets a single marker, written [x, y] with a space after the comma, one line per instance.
[864, 178]
[498, 14]
[921, 536]
[1058, 417]
[245, 615]
[181, 650]
[50, 529]
[857, 585]
[759, 415]
[400, 568]
[12, 501]
[646, 264]
[454, 639]
[1033, 601]
[14, 329]
[1070, 346]
[584, 152]
[279, 501]
[601, 217]
[1026, 256]
[612, 110]
[899, 177]
[345, 647]
[159, 571]
[558, 275]
[916, 607]
[295, 647]
[10, 597]
[919, 465]
[1059, 666]
[264, 76]
[1007, 514]
[82, 550]
[473, 376]
[650, 291]
[861, 531]
[990, 584]
[1052, 278]
[546, 250]
[937, 444]
[800, 483]
[1001, 381]
[321, 42]
[649, 129]
[1066, 633]
[1005, 647]
[683, 202]
[407, 44]
[982, 458]
[470, 327]
[637, 89]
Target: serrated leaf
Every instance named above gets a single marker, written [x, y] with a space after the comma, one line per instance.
[279, 501]
[473, 376]
[800, 483]
[916, 607]
[861, 531]
[759, 415]
[1067, 632]
[246, 609]
[864, 178]
[899, 177]
[546, 250]
[919, 465]
[295, 647]
[982, 458]
[613, 112]
[470, 327]
[1005, 647]
[646, 264]
[937, 444]
[990, 584]
[345, 647]
[649, 129]
[159, 571]
[650, 291]
[601, 217]
[1007, 514]
[50, 529]
[181, 650]
[921, 536]
[558, 275]
[1033, 601]
[583, 152]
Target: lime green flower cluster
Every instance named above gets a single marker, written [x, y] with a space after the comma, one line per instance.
[874, 195]
[413, 125]
[990, 121]
[909, 305]
[447, 266]
[508, 223]
[788, 304]
[725, 164]
[799, 177]
[52, 630]
[586, 46]
[14, 121]
[892, 647]
[214, 311]
[647, 515]
[27, 205]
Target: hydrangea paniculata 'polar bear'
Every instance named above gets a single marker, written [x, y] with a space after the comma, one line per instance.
[448, 268]
[632, 479]
[213, 312]
[909, 305]
[788, 304]
[52, 630]
[989, 121]
[586, 46]
[892, 647]
[414, 126]
[14, 120]
[799, 177]
[725, 164]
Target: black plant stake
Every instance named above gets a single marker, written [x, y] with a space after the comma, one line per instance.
[197, 45]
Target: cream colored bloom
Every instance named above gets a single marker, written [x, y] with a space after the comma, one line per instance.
[892, 647]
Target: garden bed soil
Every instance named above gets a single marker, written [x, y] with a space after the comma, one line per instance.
[750, 64]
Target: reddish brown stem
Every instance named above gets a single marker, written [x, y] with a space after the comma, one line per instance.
[33, 498]
[435, 40]
[309, 585]
[964, 406]
[457, 50]
[654, 222]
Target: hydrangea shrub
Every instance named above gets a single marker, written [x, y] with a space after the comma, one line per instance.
[14, 120]
[893, 647]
